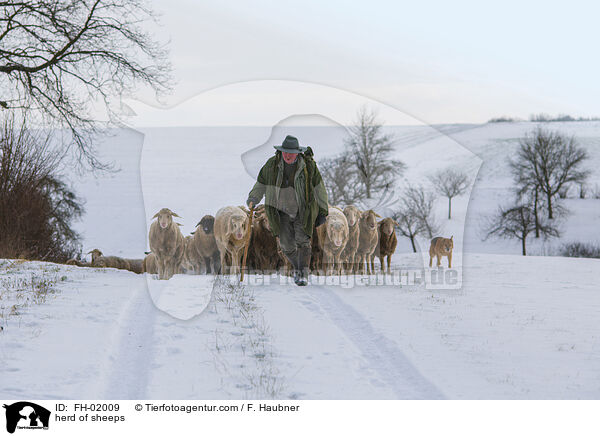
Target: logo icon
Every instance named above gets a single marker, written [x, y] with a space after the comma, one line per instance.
[26, 415]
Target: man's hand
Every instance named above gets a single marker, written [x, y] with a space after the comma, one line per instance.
[320, 220]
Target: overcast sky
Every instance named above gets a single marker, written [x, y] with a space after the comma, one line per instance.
[437, 61]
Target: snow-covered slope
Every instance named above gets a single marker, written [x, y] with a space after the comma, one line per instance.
[195, 171]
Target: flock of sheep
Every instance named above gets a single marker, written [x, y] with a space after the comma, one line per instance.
[347, 243]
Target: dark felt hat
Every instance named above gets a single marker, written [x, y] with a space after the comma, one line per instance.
[290, 145]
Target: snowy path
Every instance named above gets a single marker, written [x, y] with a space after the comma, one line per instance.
[525, 329]
[131, 358]
[382, 353]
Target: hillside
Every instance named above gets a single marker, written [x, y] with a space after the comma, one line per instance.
[195, 171]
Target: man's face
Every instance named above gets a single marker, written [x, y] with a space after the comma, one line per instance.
[289, 158]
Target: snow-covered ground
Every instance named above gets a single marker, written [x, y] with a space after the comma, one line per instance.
[517, 327]
[520, 328]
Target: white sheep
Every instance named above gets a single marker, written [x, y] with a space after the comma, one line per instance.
[333, 237]
[231, 228]
[167, 243]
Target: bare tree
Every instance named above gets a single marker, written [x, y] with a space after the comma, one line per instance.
[450, 183]
[339, 176]
[408, 226]
[420, 202]
[415, 214]
[517, 222]
[547, 162]
[370, 149]
[60, 57]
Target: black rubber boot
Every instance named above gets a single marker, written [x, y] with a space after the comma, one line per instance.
[301, 274]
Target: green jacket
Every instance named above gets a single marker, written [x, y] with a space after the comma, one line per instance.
[311, 197]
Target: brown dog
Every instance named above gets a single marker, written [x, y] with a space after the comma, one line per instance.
[439, 248]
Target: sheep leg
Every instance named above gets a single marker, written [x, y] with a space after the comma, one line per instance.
[372, 257]
[163, 273]
[223, 263]
[430, 260]
[389, 260]
[450, 260]
[235, 263]
[439, 261]
[338, 264]
[329, 267]
[381, 259]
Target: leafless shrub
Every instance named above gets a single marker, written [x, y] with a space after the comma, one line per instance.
[580, 249]
[36, 206]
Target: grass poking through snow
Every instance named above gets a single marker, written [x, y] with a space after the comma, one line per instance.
[257, 374]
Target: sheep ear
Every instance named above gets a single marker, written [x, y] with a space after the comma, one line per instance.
[193, 233]
[452, 237]
[175, 215]
[396, 223]
[155, 215]
[179, 224]
[377, 215]
[147, 252]
[199, 222]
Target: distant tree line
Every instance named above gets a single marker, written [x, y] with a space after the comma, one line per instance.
[542, 118]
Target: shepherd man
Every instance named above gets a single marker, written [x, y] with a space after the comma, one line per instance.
[295, 202]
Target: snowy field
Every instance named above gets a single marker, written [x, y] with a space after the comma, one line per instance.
[517, 328]
[509, 333]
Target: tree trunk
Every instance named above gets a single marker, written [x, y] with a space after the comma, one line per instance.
[535, 211]
[550, 213]
[412, 241]
[449, 208]
[524, 245]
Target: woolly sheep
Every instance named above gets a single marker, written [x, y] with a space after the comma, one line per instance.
[167, 243]
[333, 236]
[231, 229]
[367, 241]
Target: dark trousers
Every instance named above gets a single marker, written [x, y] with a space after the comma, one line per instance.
[292, 237]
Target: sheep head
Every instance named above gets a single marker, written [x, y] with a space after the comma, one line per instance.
[386, 226]
[352, 215]
[208, 223]
[96, 254]
[237, 225]
[165, 217]
[335, 232]
[368, 219]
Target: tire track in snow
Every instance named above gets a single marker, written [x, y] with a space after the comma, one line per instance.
[382, 353]
[130, 358]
